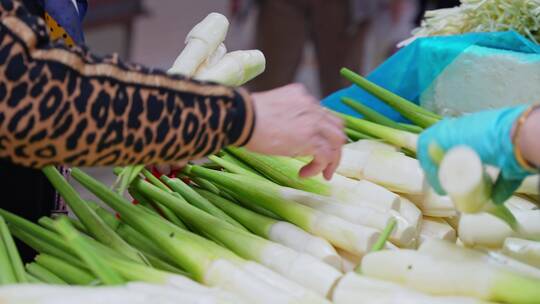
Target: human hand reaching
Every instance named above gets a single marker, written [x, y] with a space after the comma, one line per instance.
[290, 122]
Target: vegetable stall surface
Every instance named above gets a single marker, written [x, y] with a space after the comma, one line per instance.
[245, 228]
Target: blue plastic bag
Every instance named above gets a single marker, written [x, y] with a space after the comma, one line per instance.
[411, 70]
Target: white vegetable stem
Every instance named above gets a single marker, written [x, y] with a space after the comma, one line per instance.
[284, 171]
[451, 278]
[433, 204]
[436, 228]
[523, 250]
[462, 176]
[452, 252]
[278, 231]
[362, 193]
[519, 203]
[383, 166]
[357, 289]
[201, 42]
[357, 214]
[483, 229]
[352, 237]
[235, 68]
[131, 293]
[214, 58]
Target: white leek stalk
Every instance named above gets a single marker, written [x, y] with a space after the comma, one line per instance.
[213, 59]
[369, 145]
[209, 263]
[528, 224]
[356, 214]
[283, 260]
[483, 229]
[519, 203]
[363, 193]
[451, 278]
[462, 176]
[523, 250]
[284, 171]
[436, 228]
[357, 289]
[351, 237]
[391, 169]
[350, 261]
[131, 293]
[278, 231]
[201, 42]
[452, 252]
[235, 68]
[433, 204]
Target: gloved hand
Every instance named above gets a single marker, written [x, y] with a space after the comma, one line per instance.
[489, 133]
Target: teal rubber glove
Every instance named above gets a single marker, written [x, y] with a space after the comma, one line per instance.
[489, 134]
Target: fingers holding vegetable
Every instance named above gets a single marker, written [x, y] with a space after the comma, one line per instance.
[289, 122]
[488, 133]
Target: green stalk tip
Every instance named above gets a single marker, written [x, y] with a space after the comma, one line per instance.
[12, 252]
[43, 274]
[400, 104]
[86, 253]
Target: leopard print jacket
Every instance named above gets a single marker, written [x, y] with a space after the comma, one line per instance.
[63, 105]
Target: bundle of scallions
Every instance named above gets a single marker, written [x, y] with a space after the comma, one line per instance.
[244, 228]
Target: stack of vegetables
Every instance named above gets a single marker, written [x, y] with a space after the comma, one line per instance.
[244, 228]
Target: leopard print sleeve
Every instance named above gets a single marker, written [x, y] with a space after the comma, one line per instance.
[61, 105]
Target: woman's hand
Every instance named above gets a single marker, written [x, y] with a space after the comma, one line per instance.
[290, 122]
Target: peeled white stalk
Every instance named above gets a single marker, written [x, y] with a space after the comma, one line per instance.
[350, 261]
[129, 293]
[444, 277]
[235, 68]
[363, 192]
[483, 229]
[528, 224]
[453, 221]
[285, 286]
[523, 250]
[369, 145]
[284, 260]
[446, 250]
[519, 203]
[284, 171]
[355, 155]
[214, 58]
[357, 239]
[340, 233]
[462, 176]
[357, 289]
[436, 228]
[352, 162]
[356, 214]
[433, 204]
[395, 171]
[201, 42]
[363, 215]
[321, 276]
[280, 232]
[297, 239]
[410, 212]
[530, 185]
[253, 289]
[383, 166]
